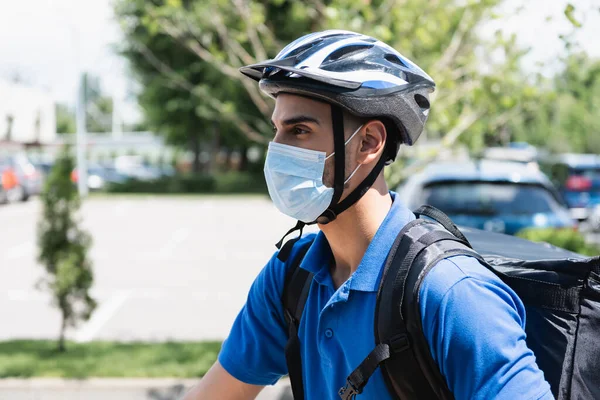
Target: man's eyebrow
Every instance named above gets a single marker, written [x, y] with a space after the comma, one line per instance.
[298, 120]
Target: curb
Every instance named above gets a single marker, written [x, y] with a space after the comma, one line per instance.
[113, 388]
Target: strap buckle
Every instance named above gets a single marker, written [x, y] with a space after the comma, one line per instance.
[348, 392]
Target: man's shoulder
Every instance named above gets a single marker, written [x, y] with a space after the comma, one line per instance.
[456, 274]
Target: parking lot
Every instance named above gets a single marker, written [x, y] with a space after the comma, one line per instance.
[175, 268]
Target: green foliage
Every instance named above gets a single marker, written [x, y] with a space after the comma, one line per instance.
[63, 247]
[177, 184]
[564, 238]
[565, 117]
[65, 119]
[240, 182]
[187, 54]
[99, 107]
[39, 358]
[229, 182]
[569, 13]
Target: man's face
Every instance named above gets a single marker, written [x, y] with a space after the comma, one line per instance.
[302, 122]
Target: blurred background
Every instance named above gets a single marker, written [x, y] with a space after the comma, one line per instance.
[136, 110]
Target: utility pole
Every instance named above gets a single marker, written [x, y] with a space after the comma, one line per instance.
[81, 137]
[117, 128]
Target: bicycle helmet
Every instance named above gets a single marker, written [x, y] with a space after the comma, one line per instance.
[361, 75]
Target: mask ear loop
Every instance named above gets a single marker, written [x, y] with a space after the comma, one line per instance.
[347, 141]
[352, 174]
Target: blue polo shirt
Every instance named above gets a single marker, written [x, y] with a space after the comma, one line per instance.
[473, 322]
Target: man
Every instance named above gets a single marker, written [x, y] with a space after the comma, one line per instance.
[344, 104]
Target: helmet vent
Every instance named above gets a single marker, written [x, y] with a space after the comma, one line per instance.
[347, 51]
[395, 59]
[303, 48]
[423, 103]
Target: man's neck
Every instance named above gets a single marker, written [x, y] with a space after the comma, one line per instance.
[351, 233]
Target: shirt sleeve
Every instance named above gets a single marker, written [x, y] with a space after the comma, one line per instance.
[254, 352]
[475, 328]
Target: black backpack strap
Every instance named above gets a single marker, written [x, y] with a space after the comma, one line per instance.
[414, 373]
[442, 219]
[295, 292]
[394, 341]
[358, 379]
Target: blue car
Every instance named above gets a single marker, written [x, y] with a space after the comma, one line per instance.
[577, 177]
[496, 196]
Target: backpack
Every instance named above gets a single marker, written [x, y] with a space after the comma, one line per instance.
[560, 291]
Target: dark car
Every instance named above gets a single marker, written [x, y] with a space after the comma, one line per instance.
[577, 177]
[495, 196]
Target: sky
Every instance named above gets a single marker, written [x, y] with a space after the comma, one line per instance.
[46, 42]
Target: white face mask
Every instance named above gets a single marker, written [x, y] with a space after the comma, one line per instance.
[295, 180]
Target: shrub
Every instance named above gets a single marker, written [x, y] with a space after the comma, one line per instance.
[63, 248]
[231, 182]
[567, 239]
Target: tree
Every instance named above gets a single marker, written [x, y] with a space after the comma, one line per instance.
[480, 86]
[178, 88]
[65, 119]
[63, 248]
[566, 117]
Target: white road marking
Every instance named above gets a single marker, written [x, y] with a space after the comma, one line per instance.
[174, 241]
[101, 316]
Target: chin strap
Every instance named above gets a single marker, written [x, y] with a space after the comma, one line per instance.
[360, 190]
[335, 207]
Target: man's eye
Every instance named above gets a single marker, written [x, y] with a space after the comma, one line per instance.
[299, 131]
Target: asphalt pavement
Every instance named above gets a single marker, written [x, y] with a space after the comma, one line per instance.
[166, 268]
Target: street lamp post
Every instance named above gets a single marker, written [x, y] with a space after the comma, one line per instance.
[81, 138]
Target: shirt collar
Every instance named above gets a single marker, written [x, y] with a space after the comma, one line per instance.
[366, 277]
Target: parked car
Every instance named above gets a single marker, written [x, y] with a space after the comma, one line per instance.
[593, 220]
[99, 176]
[3, 196]
[135, 168]
[44, 167]
[496, 196]
[21, 178]
[516, 152]
[577, 177]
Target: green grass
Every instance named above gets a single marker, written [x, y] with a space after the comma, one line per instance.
[39, 358]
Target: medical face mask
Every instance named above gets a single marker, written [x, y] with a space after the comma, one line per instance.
[295, 180]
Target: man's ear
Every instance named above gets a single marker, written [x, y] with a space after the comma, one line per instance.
[373, 142]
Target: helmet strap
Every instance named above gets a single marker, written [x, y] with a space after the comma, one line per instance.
[335, 207]
[339, 147]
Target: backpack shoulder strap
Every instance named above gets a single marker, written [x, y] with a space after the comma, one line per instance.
[402, 369]
[295, 292]
[418, 247]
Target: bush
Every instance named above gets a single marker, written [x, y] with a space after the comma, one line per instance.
[240, 182]
[63, 247]
[567, 239]
[231, 182]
